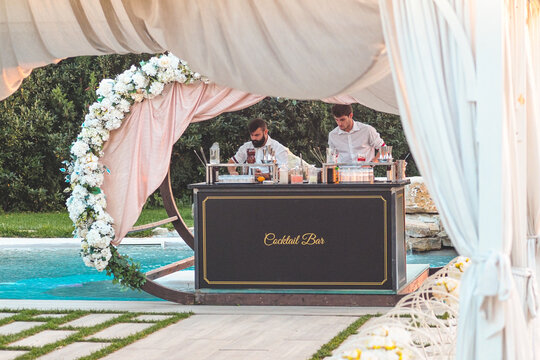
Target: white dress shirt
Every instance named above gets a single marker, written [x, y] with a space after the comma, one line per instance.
[282, 154]
[363, 139]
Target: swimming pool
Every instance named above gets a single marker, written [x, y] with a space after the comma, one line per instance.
[59, 273]
[48, 273]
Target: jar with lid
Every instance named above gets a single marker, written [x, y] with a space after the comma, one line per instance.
[283, 174]
[312, 175]
[297, 175]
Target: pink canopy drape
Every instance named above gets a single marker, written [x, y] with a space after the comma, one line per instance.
[138, 153]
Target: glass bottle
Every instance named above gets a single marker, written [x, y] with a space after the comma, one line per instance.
[214, 153]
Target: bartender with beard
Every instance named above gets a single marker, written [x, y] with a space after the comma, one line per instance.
[260, 143]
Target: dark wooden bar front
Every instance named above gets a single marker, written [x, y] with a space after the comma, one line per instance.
[300, 236]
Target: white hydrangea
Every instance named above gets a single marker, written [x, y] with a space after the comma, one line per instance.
[173, 61]
[106, 253]
[124, 105]
[150, 69]
[140, 80]
[100, 264]
[179, 76]
[79, 148]
[156, 88]
[105, 87]
[103, 227]
[87, 261]
[79, 191]
[121, 87]
[113, 124]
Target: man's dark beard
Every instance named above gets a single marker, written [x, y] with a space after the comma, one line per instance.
[258, 143]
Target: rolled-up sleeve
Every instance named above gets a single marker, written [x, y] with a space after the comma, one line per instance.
[282, 155]
[375, 139]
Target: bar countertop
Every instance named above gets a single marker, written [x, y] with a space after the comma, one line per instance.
[267, 186]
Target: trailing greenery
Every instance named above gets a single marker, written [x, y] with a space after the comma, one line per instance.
[40, 121]
[81, 333]
[56, 224]
[326, 349]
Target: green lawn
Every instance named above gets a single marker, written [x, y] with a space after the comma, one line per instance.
[58, 225]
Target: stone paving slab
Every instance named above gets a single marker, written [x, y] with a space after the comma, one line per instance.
[75, 351]
[90, 320]
[119, 331]
[18, 326]
[6, 315]
[41, 316]
[236, 337]
[152, 317]
[43, 338]
[11, 354]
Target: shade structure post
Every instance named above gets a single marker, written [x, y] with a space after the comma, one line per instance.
[489, 65]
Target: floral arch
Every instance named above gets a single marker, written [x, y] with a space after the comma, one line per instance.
[112, 173]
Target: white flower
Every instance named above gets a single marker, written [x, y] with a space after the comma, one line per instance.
[87, 261]
[140, 80]
[79, 191]
[100, 264]
[156, 88]
[113, 124]
[180, 77]
[124, 105]
[149, 69]
[164, 61]
[79, 148]
[196, 76]
[173, 60]
[105, 87]
[121, 87]
[106, 253]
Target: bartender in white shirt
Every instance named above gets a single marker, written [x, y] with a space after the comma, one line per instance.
[353, 139]
[260, 142]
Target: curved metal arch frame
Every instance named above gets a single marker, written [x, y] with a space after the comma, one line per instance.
[154, 288]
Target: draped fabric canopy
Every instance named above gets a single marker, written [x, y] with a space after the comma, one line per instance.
[305, 49]
[313, 49]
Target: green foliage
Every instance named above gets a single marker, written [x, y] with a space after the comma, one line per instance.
[126, 272]
[326, 349]
[38, 124]
[40, 121]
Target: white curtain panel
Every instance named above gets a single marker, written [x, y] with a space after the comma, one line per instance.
[520, 146]
[302, 49]
[430, 47]
[533, 158]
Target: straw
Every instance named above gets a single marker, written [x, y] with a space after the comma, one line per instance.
[204, 156]
[198, 157]
[406, 156]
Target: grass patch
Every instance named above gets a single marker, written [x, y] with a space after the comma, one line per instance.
[326, 349]
[81, 332]
[57, 224]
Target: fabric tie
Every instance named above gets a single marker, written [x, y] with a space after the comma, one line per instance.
[531, 295]
[494, 283]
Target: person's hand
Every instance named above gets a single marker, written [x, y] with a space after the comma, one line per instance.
[233, 172]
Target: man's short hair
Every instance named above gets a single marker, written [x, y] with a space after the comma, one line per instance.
[339, 110]
[255, 124]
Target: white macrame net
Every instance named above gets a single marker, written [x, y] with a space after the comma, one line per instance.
[425, 322]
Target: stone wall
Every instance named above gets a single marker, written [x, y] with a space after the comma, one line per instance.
[423, 227]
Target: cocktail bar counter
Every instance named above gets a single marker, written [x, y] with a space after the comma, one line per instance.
[300, 236]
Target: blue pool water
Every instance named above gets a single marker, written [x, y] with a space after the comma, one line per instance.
[59, 273]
